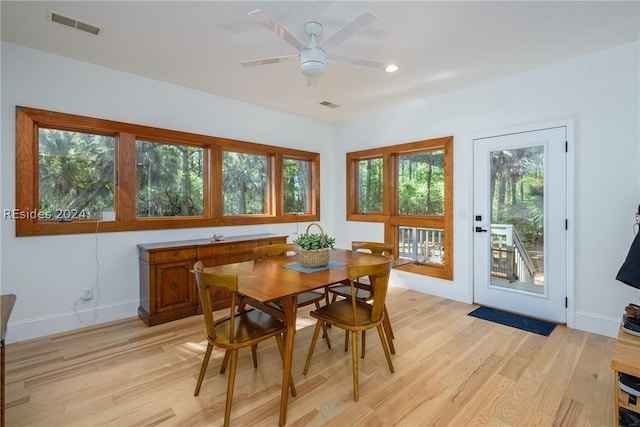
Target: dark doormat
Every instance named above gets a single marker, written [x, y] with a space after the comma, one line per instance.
[536, 326]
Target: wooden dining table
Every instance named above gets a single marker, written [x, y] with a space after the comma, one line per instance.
[281, 278]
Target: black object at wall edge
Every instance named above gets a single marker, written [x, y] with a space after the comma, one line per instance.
[630, 271]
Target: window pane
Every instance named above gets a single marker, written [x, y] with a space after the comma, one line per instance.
[421, 244]
[76, 173]
[421, 183]
[169, 180]
[370, 186]
[517, 218]
[297, 186]
[245, 187]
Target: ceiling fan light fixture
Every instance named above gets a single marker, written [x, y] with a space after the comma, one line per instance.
[312, 55]
[391, 68]
[313, 62]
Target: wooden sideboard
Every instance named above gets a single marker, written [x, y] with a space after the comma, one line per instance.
[167, 285]
[626, 359]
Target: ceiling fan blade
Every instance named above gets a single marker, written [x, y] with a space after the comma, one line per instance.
[267, 61]
[348, 31]
[274, 26]
[353, 60]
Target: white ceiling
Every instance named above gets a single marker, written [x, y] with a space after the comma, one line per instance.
[440, 46]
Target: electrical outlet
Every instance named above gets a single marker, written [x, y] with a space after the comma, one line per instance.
[87, 294]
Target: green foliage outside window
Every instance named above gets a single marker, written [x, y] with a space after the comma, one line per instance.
[76, 174]
[517, 192]
[296, 186]
[370, 186]
[169, 179]
[421, 183]
[245, 183]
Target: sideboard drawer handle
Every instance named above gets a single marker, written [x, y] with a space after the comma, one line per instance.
[176, 254]
[174, 285]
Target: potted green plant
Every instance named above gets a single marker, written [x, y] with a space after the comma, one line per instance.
[314, 247]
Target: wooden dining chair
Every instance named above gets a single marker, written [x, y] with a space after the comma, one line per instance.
[288, 249]
[238, 330]
[364, 291]
[354, 315]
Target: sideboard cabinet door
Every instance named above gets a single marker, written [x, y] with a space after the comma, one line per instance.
[175, 286]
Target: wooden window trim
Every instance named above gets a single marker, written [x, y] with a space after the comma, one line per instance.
[390, 217]
[28, 120]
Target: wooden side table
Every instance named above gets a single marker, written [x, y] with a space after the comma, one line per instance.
[6, 305]
[626, 359]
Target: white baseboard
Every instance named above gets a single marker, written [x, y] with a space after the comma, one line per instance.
[597, 324]
[429, 285]
[35, 328]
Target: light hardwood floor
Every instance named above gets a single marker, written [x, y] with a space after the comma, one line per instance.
[450, 369]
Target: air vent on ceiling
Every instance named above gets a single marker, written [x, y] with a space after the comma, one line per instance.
[329, 104]
[74, 23]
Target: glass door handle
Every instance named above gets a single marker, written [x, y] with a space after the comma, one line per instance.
[480, 230]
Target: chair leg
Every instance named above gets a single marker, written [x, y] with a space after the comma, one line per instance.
[386, 315]
[312, 347]
[225, 361]
[230, 385]
[386, 323]
[280, 342]
[254, 354]
[346, 341]
[354, 357]
[325, 335]
[364, 340]
[385, 347]
[203, 368]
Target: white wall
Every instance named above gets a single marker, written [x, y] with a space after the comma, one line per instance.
[49, 273]
[600, 92]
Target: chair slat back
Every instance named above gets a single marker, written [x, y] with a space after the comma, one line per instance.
[378, 248]
[277, 250]
[206, 281]
[379, 278]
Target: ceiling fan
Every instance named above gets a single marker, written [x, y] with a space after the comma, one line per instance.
[313, 55]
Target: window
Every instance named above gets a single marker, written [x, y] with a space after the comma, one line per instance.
[297, 188]
[370, 186]
[408, 187]
[169, 180]
[421, 183]
[245, 183]
[70, 170]
[76, 174]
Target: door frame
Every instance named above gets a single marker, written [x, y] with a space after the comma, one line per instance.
[569, 124]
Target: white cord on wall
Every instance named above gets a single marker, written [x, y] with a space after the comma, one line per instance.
[96, 297]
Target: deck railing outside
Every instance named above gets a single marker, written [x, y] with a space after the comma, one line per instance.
[421, 244]
[510, 259]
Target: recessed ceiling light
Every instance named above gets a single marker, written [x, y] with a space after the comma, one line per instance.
[391, 68]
